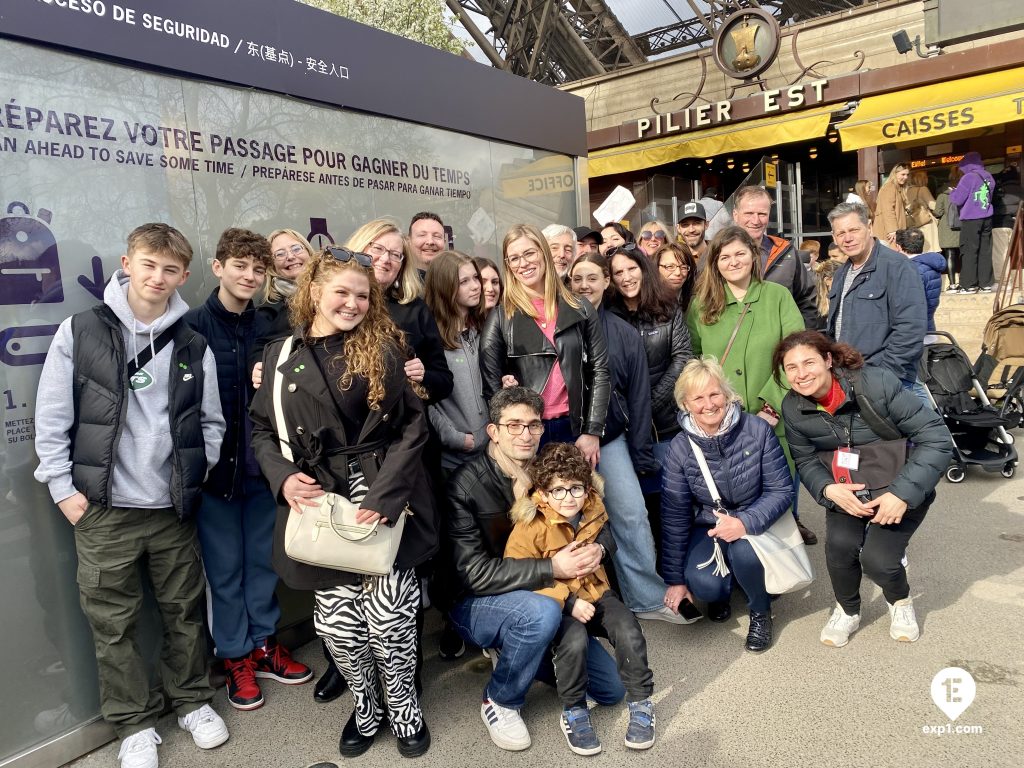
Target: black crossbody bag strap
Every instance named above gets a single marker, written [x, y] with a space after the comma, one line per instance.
[161, 341]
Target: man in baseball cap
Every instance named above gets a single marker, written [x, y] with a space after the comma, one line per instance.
[587, 240]
[692, 228]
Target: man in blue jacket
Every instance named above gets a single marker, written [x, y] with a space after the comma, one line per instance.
[877, 303]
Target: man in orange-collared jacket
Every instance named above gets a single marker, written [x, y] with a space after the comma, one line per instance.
[780, 260]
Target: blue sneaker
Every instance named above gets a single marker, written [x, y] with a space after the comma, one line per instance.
[640, 731]
[579, 731]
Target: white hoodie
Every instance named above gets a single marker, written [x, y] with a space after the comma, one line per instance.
[142, 466]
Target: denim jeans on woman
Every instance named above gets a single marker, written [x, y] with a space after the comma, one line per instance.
[642, 588]
[745, 568]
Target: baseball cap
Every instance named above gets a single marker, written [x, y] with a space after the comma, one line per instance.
[693, 211]
[585, 232]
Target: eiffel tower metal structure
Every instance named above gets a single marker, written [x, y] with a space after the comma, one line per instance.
[559, 41]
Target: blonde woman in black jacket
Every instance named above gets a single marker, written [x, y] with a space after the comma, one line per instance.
[545, 339]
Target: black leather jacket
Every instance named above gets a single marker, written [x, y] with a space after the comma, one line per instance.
[517, 346]
[668, 349]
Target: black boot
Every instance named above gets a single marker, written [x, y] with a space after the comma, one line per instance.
[331, 684]
[719, 612]
[353, 743]
[759, 636]
[415, 745]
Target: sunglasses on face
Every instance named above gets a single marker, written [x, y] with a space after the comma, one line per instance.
[344, 255]
[658, 234]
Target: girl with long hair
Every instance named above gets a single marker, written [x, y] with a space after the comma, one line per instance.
[455, 297]
[824, 271]
[490, 279]
[891, 204]
[613, 234]
[544, 338]
[357, 428]
[641, 298]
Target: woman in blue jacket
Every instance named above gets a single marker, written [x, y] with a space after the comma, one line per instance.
[702, 542]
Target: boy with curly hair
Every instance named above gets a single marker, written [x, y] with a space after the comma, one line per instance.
[565, 507]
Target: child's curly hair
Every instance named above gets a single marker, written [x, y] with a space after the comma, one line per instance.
[562, 460]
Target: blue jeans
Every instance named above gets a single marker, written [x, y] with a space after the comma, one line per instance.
[642, 588]
[558, 430]
[237, 539]
[739, 555]
[522, 625]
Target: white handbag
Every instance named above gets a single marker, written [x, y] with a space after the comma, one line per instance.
[781, 549]
[328, 535]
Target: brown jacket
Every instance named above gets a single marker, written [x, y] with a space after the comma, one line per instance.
[540, 532]
[890, 210]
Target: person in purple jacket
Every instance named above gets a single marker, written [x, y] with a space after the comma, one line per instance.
[973, 196]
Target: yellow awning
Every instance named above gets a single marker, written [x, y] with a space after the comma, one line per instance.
[763, 133]
[935, 110]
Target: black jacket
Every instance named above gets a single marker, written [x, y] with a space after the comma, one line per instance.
[668, 349]
[422, 335]
[271, 322]
[392, 462]
[478, 529]
[784, 266]
[629, 404]
[810, 429]
[101, 407]
[518, 347]
[230, 337]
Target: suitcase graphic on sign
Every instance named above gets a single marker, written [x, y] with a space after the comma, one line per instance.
[29, 265]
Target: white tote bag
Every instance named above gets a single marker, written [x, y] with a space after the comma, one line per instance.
[781, 549]
[328, 535]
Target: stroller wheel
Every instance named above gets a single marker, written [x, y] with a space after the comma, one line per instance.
[957, 473]
[1008, 471]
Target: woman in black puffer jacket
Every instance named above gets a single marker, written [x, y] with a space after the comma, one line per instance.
[638, 295]
[848, 427]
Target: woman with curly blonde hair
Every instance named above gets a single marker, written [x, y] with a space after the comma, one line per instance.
[354, 427]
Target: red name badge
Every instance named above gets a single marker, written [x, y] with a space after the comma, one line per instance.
[844, 461]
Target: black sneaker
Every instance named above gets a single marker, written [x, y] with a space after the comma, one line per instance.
[451, 645]
[809, 537]
[759, 636]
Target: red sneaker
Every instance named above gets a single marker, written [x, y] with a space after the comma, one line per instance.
[274, 661]
[243, 690]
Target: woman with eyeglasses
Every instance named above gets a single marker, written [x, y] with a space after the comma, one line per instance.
[613, 234]
[678, 268]
[640, 297]
[290, 251]
[356, 426]
[543, 338]
[626, 448]
[653, 235]
[382, 240]
[454, 295]
[490, 279]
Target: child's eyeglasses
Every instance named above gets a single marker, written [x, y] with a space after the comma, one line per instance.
[576, 491]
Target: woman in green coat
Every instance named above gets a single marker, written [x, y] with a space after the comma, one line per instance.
[739, 318]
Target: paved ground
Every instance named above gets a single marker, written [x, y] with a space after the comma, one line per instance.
[800, 704]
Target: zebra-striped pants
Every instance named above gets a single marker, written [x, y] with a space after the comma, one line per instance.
[370, 631]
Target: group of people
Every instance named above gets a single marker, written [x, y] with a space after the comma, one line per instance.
[519, 421]
[968, 221]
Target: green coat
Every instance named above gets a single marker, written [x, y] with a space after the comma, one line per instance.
[773, 315]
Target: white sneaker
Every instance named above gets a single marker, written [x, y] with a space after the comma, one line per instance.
[664, 613]
[904, 621]
[505, 726]
[205, 725]
[839, 628]
[139, 750]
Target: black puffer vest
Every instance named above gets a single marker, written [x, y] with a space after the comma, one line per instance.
[100, 385]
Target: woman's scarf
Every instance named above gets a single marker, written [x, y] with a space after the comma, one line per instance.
[731, 417]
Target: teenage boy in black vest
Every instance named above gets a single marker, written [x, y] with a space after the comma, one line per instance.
[236, 521]
[128, 423]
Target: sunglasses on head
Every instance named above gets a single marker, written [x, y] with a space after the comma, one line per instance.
[343, 255]
[658, 233]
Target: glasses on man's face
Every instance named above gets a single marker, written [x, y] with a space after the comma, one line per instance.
[294, 250]
[344, 255]
[517, 260]
[516, 428]
[558, 492]
[657, 233]
[379, 251]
